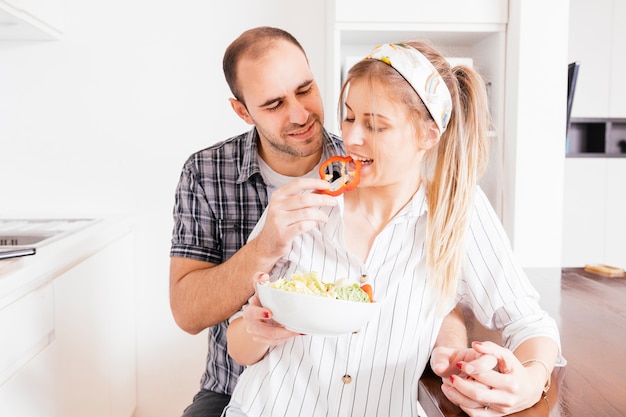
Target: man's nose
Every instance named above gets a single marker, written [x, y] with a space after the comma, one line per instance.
[298, 113]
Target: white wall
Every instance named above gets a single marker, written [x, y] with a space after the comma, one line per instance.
[534, 145]
[101, 122]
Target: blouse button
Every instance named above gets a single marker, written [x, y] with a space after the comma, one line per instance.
[363, 279]
[346, 379]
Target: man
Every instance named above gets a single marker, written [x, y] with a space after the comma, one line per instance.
[224, 189]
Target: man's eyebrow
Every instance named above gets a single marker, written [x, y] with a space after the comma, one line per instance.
[271, 101]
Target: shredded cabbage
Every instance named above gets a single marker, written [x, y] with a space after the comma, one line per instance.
[309, 283]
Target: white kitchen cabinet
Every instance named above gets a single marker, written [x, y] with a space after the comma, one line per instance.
[594, 225]
[68, 314]
[597, 39]
[584, 202]
[31, 19]
[615, 253]
[95, 335]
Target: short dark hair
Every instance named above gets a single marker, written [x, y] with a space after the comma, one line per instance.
[252, 43]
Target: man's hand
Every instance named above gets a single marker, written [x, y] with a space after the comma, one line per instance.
[292, 210]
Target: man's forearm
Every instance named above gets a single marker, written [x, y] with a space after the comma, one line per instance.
[204, 294]
[453, 332]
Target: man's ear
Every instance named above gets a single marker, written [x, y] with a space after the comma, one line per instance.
[241, 110]
[431, 137]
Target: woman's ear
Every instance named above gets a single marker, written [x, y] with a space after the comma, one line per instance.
[241, 110]
[431, 137]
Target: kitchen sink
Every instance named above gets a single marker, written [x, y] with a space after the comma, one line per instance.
[37, 232]
[22, 240]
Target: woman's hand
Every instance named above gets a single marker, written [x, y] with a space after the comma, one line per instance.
[484, 391]
[259, 324]
[446, 361]
[251, 335]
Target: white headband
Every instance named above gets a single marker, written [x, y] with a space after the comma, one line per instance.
[421, 75]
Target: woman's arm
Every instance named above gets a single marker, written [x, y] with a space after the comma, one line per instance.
[241, 346]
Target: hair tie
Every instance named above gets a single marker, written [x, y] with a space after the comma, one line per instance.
[420, 73]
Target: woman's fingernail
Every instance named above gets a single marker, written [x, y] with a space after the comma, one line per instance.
[459, 365]
[452, 378]
[266, 315]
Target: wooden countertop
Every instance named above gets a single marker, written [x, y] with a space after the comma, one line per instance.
[591, 313]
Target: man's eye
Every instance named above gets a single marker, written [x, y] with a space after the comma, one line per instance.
[349, 120]
[275, 107]
[305, 92]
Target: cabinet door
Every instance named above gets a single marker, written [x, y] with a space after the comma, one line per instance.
[82, 363]
[616, 213]
[32, 391]
[589, 43]
[584, 211]
[95, 335]
[26, 356]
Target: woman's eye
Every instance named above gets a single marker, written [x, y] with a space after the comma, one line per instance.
[374, 128]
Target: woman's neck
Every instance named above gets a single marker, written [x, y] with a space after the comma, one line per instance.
[368, 210]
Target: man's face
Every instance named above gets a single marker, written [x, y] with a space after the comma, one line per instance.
[283, 101]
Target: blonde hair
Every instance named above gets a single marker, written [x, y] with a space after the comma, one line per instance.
[451, 168]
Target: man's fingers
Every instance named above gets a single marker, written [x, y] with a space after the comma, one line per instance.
[506, 359]
[303, 186]
[484, 363]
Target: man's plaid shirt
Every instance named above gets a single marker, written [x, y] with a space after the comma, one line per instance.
[219, 199]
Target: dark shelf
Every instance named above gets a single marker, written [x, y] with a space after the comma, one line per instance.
[596, 138]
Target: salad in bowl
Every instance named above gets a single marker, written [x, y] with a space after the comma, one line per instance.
[305, 304]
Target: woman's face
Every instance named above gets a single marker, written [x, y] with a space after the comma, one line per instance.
[378, 131]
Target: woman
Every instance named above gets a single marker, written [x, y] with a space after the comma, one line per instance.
[424, 236]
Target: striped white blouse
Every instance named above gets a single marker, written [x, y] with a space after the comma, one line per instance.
[375, 371]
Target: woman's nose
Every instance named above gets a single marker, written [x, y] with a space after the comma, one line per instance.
[352, 135]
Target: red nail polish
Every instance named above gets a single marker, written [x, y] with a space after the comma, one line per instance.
[266, 315]
[452, 378]
[459, 365]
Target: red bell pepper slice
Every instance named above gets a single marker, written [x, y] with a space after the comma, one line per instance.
[349, 169]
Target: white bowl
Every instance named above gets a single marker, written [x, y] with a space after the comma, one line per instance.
[310, 314]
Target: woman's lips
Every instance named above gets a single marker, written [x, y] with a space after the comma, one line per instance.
[364, 161]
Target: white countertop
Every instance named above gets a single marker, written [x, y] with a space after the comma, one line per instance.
[19, 276]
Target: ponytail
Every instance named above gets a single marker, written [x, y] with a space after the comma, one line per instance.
[454, 167]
